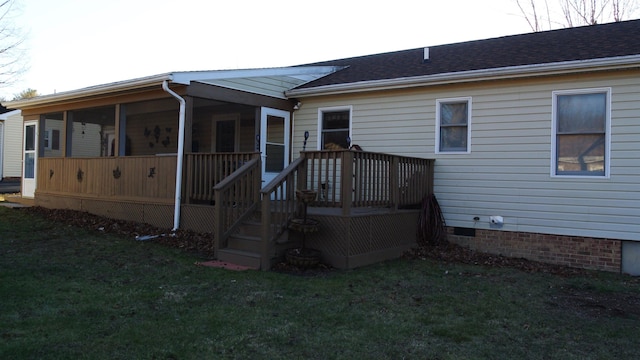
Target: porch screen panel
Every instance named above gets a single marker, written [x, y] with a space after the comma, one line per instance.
[91, 131]
[53, 129]
[225, 136]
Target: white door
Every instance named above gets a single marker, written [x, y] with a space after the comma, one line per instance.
[274, 142]
[30, 158]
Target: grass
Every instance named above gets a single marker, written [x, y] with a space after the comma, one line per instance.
[66, 293]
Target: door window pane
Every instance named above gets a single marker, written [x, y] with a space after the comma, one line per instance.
[275, 158]
[275, 129]
[29, 165]
[30, 137]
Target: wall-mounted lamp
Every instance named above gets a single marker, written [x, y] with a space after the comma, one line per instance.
[306, 137]
[297, 105]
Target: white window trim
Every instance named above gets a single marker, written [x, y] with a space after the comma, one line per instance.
[607, 135]
[332, 109]
[469, 112]
[48, 136]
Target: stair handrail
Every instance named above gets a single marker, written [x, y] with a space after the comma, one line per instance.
[232, 209]
[276, 215]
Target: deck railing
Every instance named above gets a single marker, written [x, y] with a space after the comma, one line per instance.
[236, 197]
[141, 178]
[348, 179]
[279, 205]
[204, 171]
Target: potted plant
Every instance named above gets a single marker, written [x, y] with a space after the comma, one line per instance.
[304, 256]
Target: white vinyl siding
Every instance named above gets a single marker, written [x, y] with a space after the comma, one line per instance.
[12, 144]
[507, 173]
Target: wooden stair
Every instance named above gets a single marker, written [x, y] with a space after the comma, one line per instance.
[245, 246]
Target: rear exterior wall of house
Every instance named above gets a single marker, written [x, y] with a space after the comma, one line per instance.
[508, 171]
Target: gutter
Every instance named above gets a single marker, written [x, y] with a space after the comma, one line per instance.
[180, 157]
[510, 72]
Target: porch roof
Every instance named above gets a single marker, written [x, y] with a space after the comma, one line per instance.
[271, 82]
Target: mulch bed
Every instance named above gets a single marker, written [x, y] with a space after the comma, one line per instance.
[202, 244]
[198, 243]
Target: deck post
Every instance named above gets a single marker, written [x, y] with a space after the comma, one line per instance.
[302, 173]
[188, 176]
[394, 174]
[217, 221]
[265, 233]
[346, 188]
[430, 175]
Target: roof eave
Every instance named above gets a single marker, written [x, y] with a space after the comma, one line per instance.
[565, 67]
[183, 78]
[89, 91]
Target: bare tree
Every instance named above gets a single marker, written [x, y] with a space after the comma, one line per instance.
[531, 15]
[622, 9]
[13, 60]
[570, 13]
[26, 94]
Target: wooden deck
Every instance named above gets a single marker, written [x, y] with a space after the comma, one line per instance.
[363, 202]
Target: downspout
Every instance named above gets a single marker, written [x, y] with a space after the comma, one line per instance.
[181, 121]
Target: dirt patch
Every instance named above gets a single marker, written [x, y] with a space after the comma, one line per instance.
[591, 303]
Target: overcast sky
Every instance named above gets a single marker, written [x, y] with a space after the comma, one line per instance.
[78, 43]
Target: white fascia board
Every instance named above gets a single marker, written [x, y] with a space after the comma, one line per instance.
[566, 67]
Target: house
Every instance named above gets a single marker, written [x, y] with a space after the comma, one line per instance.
[534, 136]
[210, 152]
[10, 144]
[529, 143]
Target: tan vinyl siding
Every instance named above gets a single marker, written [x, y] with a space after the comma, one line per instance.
[508, 170]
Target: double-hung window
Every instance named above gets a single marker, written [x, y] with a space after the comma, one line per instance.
[453, 125]
[581, 132]
[334, 128]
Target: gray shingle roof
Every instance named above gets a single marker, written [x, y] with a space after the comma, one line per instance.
[579, 43]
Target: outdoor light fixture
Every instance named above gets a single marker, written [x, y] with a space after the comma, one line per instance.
[297, 105]
[306, 136]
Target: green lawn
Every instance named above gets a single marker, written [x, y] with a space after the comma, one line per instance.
[67, 293]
